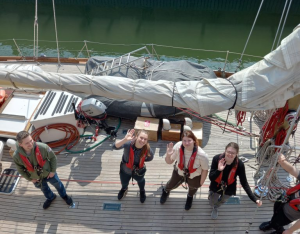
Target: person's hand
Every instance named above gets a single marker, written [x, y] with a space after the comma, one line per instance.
[259, 203]
[130, 135]
[170, 149]
[221, 164]
[51, 174]
[281, 158]
[35, 181]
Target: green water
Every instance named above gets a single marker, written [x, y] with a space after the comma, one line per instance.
[216, 30]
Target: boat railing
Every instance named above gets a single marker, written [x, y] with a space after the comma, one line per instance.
[216, 59]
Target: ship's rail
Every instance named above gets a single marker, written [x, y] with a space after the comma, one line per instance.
[79, 51]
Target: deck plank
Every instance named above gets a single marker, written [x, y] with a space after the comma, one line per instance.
[93, 179]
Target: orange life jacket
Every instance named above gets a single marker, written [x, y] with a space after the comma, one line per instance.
[231, 177]
[191, 162]
[39, 159]
[130, 162]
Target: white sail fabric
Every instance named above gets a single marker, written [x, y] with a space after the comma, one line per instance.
[265, 85]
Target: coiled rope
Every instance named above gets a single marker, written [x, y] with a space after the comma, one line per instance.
[71, 135]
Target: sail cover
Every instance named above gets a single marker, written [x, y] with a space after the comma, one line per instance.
[265, 85]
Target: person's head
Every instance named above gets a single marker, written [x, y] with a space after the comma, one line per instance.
[231, 152]
[25, 141]
[141, 141]
[189, 140]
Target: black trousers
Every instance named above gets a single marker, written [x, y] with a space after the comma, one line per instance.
[279, 219]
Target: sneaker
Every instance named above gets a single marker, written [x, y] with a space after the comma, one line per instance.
[68, 200]
[188, 204]
[214, 213]
[122, 193]
[142, 196]
[164, 196]
[265, 226]
[48, 202]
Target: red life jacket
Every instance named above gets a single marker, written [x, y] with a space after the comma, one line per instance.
[231, 177]
[39, 159]
[295, 202]
[191, 162]
[130, 162]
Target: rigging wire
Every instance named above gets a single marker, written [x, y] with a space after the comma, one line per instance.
[58, 60]
[284, 23]
[279, 24]
[240, 60]
[35, 32]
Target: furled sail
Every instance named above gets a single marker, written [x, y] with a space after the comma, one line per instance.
[265, 85]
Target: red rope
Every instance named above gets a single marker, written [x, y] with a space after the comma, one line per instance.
[215, 122]
[241, 116]
[276, 120]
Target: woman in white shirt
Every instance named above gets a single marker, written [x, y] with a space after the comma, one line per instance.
[191, 166]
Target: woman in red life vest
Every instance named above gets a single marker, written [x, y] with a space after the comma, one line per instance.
[225, 168]
[191, 166]
[286, 213]
[136, 151]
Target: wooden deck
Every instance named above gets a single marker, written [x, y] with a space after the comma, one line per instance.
[92, 179]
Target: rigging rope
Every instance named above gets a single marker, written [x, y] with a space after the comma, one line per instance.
[240, 60]
[58, 60]
[284, 23]
[236, 130]
[35, 32]
[279, 24]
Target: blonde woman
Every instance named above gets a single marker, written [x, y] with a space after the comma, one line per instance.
[137, 151]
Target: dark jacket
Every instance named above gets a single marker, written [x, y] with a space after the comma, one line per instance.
[231, 189]
[137, 153]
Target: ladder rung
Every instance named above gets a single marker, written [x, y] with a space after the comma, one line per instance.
[112, 63]
[128, 58]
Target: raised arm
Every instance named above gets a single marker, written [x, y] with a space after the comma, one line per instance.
[214, 172]
[129, 137]
[288, 166]
[170, 152]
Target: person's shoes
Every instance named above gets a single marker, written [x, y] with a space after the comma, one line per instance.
[164, 196]
[122, 193]
[214, 213]
[142, 196]
[48, 202]
[188, 203]
[265, 226]
[68, 200]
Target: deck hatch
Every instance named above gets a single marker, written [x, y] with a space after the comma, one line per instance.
[8, 181]
[233, 201]
[112, 206]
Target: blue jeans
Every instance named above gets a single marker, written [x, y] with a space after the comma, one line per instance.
[55, 181]
[125, 178]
